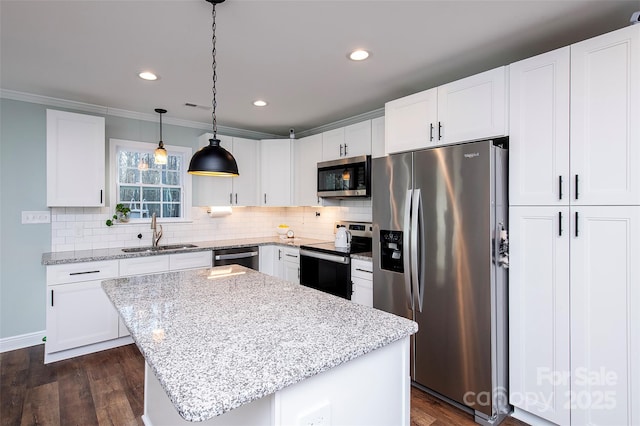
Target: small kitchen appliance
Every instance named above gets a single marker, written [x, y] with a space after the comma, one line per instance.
[343, 237]
[327, 266]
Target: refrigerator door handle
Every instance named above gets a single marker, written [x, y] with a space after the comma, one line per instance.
[406, 243]
[416, 207]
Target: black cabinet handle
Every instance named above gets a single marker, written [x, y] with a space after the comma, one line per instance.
[560, 224]
[431, 132]
[231, 198]
[101, 196]
[576, 187]
[340, 150]
[576, 224]
[560, 187]
[279, 254]
[265, 198]
[439, 130]
[84, 272]
[236, 198]
[345, 148]
[51, 297]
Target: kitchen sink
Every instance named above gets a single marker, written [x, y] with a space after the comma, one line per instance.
[159, 248]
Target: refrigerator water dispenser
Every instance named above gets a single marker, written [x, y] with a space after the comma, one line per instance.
[391, 251]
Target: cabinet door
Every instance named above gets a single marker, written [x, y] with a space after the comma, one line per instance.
[605, 315]
[539, 130]
[539, 311]
[333, 144]
[245, 186]
[362, 292]
[268, 260]
[291, 272]
[275, 172]
[357, 139]
[307, 153]
[472, 108]
[411, 122]
[605, 107]
[75, 160]
[377, 137]
[213, 190]
[79, 314]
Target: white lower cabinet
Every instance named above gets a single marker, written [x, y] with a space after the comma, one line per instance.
[282, 262]
[575, 313]
[80, 318]
[79, 314]
[362, 281]
[291, 264]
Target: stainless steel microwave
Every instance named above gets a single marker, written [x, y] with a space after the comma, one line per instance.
[346, 177]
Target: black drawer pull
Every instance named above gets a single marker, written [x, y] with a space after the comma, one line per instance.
[431, 132]
[83, 273]
[560, 224]
[560, 187]
[364, 270]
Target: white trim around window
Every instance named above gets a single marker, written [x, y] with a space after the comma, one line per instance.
[148, 147]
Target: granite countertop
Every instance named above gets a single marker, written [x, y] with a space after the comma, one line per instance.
[216, 341]
[61, 257]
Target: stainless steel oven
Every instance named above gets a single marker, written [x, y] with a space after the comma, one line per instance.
[327, 268]
[245, 256]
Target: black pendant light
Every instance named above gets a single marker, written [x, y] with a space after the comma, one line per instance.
[160, 154]
[213, 160]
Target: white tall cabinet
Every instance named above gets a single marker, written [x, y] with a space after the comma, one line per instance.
[307, 153]
[574, 300]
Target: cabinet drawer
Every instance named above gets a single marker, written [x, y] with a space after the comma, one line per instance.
[199, 259]
[144, 265]
[362, 269]
[85, 271]
[290, 254]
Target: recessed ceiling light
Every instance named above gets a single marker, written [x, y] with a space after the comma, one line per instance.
[260, 103]
[148, 75]
[359, 55]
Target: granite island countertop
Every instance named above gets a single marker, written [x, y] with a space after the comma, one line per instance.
[62, 257]
[222, 337]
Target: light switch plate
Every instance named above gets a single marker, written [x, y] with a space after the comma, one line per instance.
[36, 217]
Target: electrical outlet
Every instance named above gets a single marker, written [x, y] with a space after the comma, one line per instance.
[318, 416]
[36, 217]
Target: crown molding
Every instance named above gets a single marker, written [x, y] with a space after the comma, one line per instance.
[342, 123]
[116, 112]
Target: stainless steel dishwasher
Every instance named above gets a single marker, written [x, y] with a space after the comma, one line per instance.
[245, 256]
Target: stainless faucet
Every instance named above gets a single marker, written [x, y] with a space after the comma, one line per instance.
[156, 235]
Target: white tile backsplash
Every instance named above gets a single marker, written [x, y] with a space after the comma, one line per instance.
[84, 228]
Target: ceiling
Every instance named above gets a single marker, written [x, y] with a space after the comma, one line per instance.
[291, 53]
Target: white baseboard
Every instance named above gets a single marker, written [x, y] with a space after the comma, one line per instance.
[23, 341]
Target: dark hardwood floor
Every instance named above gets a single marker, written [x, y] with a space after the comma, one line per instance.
[107, 388]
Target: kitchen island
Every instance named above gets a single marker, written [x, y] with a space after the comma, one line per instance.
[229, 345]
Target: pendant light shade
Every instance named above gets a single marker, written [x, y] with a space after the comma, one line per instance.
[160, 154]
[213, 160]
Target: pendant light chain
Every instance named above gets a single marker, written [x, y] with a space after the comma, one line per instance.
[214, 102]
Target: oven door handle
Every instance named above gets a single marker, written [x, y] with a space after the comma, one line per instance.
[345, 260]
[236, 255]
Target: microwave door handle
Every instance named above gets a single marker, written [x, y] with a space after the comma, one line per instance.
[406, 247]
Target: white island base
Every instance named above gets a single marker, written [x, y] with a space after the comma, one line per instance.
[373, 389]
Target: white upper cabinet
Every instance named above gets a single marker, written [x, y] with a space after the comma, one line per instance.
[349, 141]
[307, 152]
[605, 112]
[245, 186]
[410, 122]
[539, 129]
[75, 160]
[224, 191]
[213, 190]
[275, 172]
[473, 108]
[377, 137]
[464, 110]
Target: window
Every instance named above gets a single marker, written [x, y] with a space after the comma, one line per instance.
[147, 188]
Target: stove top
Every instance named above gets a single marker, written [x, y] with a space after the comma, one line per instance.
[361, 238]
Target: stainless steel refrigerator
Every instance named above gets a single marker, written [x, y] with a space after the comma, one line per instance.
[439, 216]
